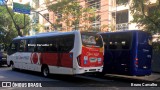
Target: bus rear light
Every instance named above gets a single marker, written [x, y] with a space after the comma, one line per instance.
[101, 49]
[79, 60]
[136, 59]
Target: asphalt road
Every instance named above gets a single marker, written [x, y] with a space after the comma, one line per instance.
[62, 82]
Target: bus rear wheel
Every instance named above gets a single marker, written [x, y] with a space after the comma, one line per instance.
[45, 71]
[12, 65]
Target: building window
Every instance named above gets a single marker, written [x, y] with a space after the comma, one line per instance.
[35, 4]
[94, 4]
[122, 17]
[35, 18]
[96, 23]
[121, 2]
[23, 46]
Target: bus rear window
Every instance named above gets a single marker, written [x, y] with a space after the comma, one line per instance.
[119, 41]
[94, 40]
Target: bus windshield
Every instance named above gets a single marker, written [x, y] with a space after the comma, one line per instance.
[92, 40]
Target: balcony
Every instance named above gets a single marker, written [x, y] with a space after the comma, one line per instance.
[122, 26]
[150, 2]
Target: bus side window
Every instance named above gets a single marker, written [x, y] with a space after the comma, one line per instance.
[31, 45]
[39, 44]
[125, 45]
[12, 48]
[66, 43]
[23, 45]
[61, 45]
[52, 42]
[112, 45]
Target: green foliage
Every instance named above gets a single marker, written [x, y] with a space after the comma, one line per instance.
[7, 28]
[36, 27]
[156, 46]
[19, 19]
[146, 15]
[72, 12]
[121, 2]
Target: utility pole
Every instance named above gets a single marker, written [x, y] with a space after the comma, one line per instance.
[53, 26]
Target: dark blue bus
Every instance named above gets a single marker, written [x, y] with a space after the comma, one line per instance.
[127, 52]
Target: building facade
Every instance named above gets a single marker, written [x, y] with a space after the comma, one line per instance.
[121, 16]
[111, 15]
[100, 22]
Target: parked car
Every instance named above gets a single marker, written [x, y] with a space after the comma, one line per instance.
[3, 55]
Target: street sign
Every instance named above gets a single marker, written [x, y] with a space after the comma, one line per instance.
[21, 8]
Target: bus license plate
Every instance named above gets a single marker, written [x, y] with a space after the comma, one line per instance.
[93, 59]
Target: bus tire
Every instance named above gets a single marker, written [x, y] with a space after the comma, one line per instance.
[45, 71]
[12, 65]
[9, 65]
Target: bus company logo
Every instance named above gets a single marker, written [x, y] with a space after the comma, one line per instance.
[22, 57]
[96, 54]
[35, 58]
[89, 54]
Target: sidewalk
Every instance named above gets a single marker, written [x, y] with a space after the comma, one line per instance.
[153, 77]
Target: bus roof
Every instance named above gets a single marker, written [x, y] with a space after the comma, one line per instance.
[46, 34]
[122, 31]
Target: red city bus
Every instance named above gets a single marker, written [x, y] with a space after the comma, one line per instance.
[58, 53]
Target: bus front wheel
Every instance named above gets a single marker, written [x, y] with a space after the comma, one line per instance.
[45, 71]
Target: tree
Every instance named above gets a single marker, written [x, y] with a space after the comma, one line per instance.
[72, 14]
[7, 28]
[17, 27]
[24, 25]
[145, 14]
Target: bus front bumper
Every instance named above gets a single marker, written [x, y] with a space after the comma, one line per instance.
[82, 70]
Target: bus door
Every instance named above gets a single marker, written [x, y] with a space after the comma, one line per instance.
[12, 52]
[144, 51]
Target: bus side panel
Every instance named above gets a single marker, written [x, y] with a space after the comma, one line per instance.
[144, 54]
[66, 60]
[133, 53]
[91, 57]
[49, 59]
[61, 60]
